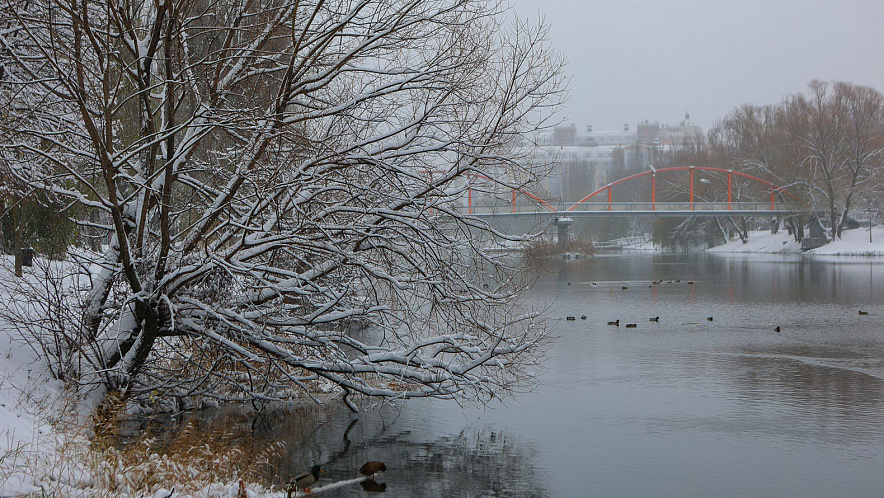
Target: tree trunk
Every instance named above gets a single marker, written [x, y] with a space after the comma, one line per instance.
[722, 230]
[833, 217]
[17, 223]
[2, 235]
[743, 232]
[795, 227]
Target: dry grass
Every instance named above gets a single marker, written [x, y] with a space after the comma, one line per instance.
[87, 459]
[193, 456]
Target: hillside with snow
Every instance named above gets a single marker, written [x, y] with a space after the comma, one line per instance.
[852, 243]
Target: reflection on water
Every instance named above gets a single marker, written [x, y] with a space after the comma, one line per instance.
[421, 460]
[793, 394]
[683, 407]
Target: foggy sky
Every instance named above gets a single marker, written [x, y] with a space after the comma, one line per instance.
[633, 60]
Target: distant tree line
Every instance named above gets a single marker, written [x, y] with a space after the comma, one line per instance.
[825, 146]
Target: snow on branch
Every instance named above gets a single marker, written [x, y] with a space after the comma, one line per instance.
[278, 188]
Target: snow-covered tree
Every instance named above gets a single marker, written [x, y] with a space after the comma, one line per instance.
[826, 145]
[754, 140]
[278, 182]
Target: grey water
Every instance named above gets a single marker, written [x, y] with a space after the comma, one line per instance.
[683, 407]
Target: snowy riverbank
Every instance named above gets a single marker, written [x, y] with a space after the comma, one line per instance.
[852, 243]
[45, 446]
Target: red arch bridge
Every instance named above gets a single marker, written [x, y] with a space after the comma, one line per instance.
[602, 202]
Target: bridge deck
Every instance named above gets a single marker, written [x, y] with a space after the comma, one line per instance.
[646, 209]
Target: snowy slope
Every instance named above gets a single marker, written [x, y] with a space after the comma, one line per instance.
[26, 392]
[853, 243]
[761, 242]
[44, 445]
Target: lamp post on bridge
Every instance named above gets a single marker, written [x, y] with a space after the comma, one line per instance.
[653, 187]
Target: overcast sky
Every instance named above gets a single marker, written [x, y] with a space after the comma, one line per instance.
[633, 60]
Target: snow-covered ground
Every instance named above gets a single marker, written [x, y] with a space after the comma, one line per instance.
[25, 433]
[45, 446]
[27, 393]
[761, 242]
[852, 243]
[646, 245]
[44, 431]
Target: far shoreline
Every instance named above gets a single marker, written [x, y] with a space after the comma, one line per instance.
[852, 243]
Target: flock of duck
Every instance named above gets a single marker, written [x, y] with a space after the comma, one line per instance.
[655, 282]
[656, 319]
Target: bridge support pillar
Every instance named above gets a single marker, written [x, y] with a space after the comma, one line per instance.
[564, 225]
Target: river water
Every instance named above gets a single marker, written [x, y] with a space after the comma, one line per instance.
[683, 407]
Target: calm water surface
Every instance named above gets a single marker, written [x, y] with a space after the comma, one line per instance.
[686, 407]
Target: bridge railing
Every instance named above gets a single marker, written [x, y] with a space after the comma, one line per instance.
[641, 207]
[777, 204]
[761, 207]
[623, 241]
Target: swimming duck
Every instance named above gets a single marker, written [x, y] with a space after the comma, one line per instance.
[709, 318]
[631, 325]
[583, 317]
[570, 318]
[615, 322]
[861, 312]
[654, 319]
[776, 329]
[304, 481]
[372, 468]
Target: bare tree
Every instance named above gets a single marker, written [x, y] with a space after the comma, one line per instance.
[837, 128]
[278, 182]
[826, 146]
[863, 150]
[752, 139]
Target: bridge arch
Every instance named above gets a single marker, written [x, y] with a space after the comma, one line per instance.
[774, 189]
[515, 191]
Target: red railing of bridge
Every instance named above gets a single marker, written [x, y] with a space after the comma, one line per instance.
[653, 173]
[515, 190]
[774, 189]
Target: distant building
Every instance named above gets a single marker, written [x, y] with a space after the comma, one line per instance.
[647, 133]
[584, 162]
[685, 132]
[569, 136]
[565, 135]
[576, 171]
[607, 138]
